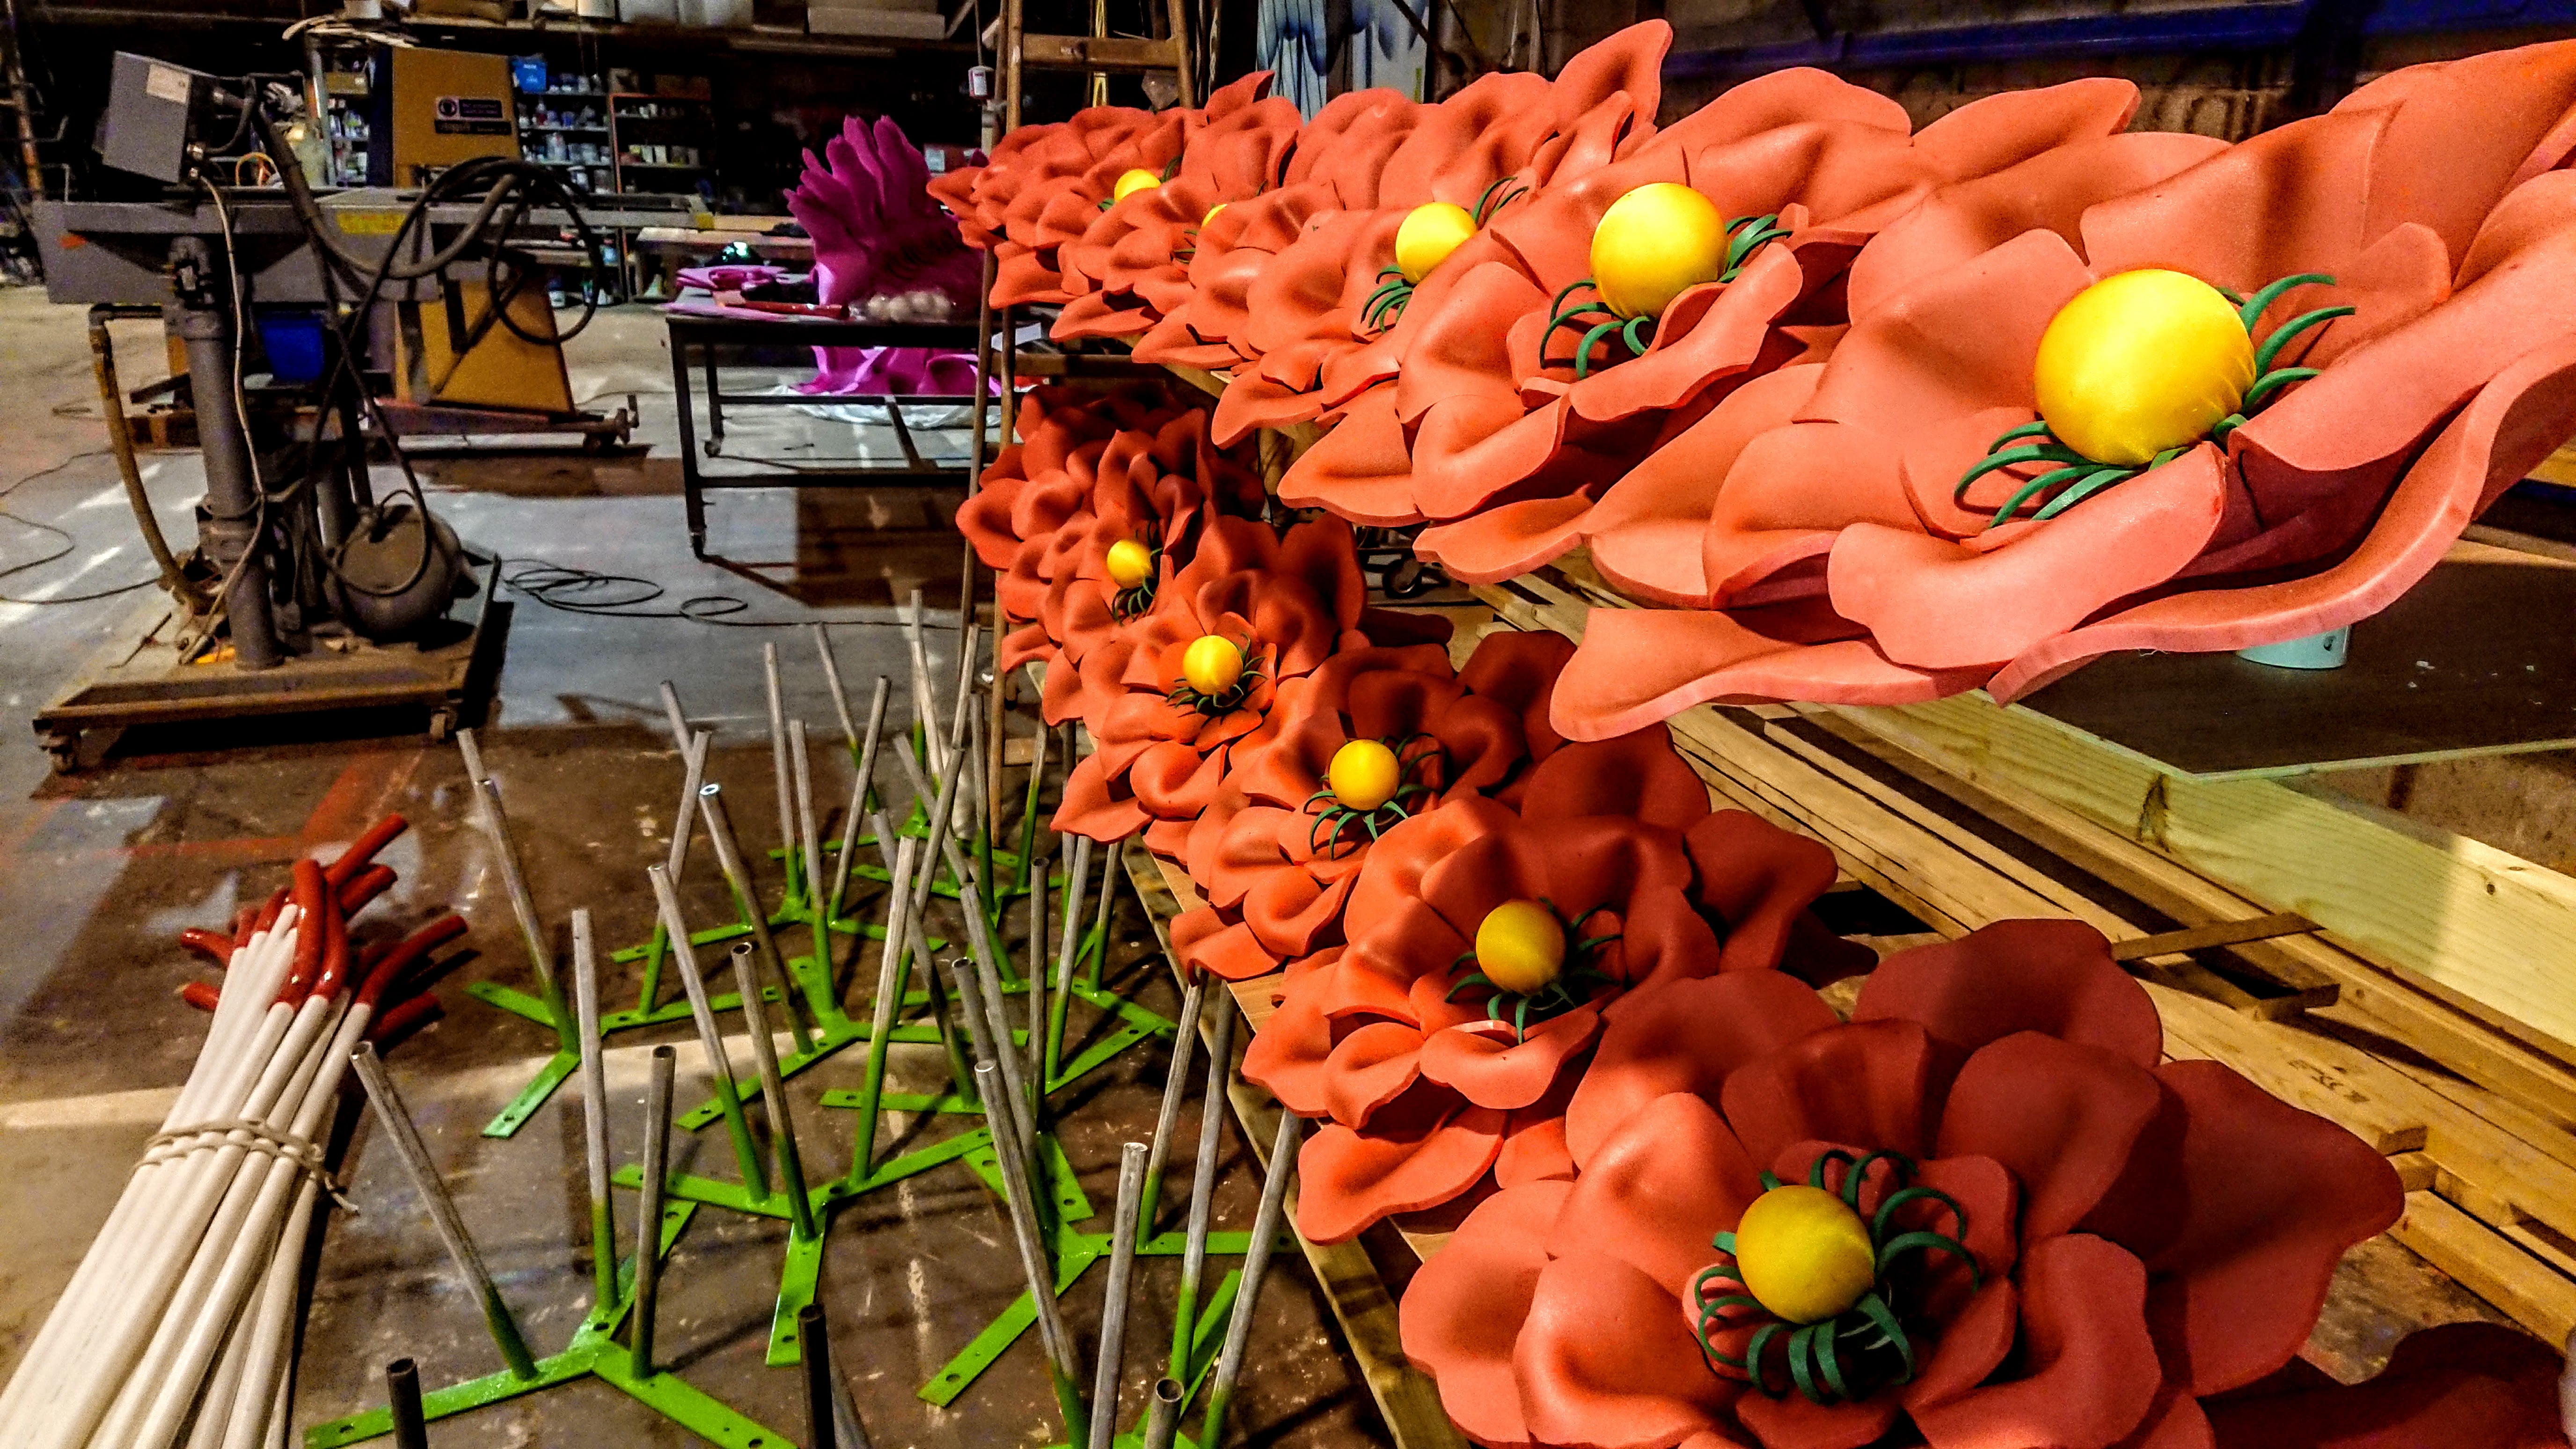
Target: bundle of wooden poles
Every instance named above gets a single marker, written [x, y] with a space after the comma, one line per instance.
[178, 1328]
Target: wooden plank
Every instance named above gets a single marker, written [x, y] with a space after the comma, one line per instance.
[2342, 1084]
[2483, 928]
[2489, 1265]
[1102, 53]
[2370, 999]
[2220, 933]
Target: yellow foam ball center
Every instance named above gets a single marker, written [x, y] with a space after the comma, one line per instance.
[1212, 664]
[1364, 775]
[2141, 362]
[1130, 563]
[1804, 1254]
[1429, 234]
[1654, 243]
[1131, 182]
[1520, 947]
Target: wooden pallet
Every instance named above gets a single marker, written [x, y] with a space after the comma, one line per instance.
[2270, 926]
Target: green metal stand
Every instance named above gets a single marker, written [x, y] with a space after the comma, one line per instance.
[1074, 1253]
[593, 1353]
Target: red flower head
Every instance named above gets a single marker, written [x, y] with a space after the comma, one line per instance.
[1044, 184]
[2151, 394]
[1979, 1205]
[1548, 371]
[1079, 519]
[1335, 165]
[1312, 306]
[1168, 696]
[1131, 266]
[1487, 949]
[1374, 737]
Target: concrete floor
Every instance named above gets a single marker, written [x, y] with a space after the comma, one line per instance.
[99, 870]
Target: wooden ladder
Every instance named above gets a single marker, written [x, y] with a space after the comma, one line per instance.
[1102, 55]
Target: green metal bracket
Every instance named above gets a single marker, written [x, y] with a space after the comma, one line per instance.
[593, 1353]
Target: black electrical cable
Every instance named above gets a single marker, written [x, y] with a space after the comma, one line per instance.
[624, 596]
[70, 544]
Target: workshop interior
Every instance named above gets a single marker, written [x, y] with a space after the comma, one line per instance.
[810, 724]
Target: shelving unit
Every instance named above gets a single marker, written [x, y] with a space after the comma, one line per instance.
[580, 146]
[679, 126]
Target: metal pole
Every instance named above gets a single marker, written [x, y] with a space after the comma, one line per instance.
[1019, 1196]
[931, 854]
[1256, 1263]
[773, 1094]
[1046, 1027]
[925, 712]
[979, 940]
[1064, 974]
[754, 1175]
[234, 510]
[1175, 1087]
[845, 1411]
[442, 1209]
[594, 1114]
[840, 696]
[693, 746]
[809, 832]
[822, 1429]
[693, 754]
[967, 653]
[1037, 917]
[729, 859]
[1108, 902]
[1203, 1179]
[402, 1392]
[1113, 1307]
[890, 991]
[523, 905]
[862, 780]
[1163, 1414]
[778, 768]
[648, 1230]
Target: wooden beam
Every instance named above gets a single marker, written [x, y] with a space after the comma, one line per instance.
[1102, 53]
[2222, 933]
[2488, 1265]
[2370, 999]
[2484, 929]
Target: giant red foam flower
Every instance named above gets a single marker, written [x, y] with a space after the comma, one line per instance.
[1335, 165]
[1089, 472]
[1276, 858]
[1293, 300]
[2105, 1241]
[1432, 1075]
[1131, 265]
[1488, 425]
[1043, 186]
[1287, 601]
[1819, 516]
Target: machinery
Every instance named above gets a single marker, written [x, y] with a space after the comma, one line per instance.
[305, 592]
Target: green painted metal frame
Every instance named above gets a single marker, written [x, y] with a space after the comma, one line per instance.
[813, 976]
[593, 1353]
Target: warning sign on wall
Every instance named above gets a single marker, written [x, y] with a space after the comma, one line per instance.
[472, 116]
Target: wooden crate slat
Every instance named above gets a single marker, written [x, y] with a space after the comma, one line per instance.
[2480, 925]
